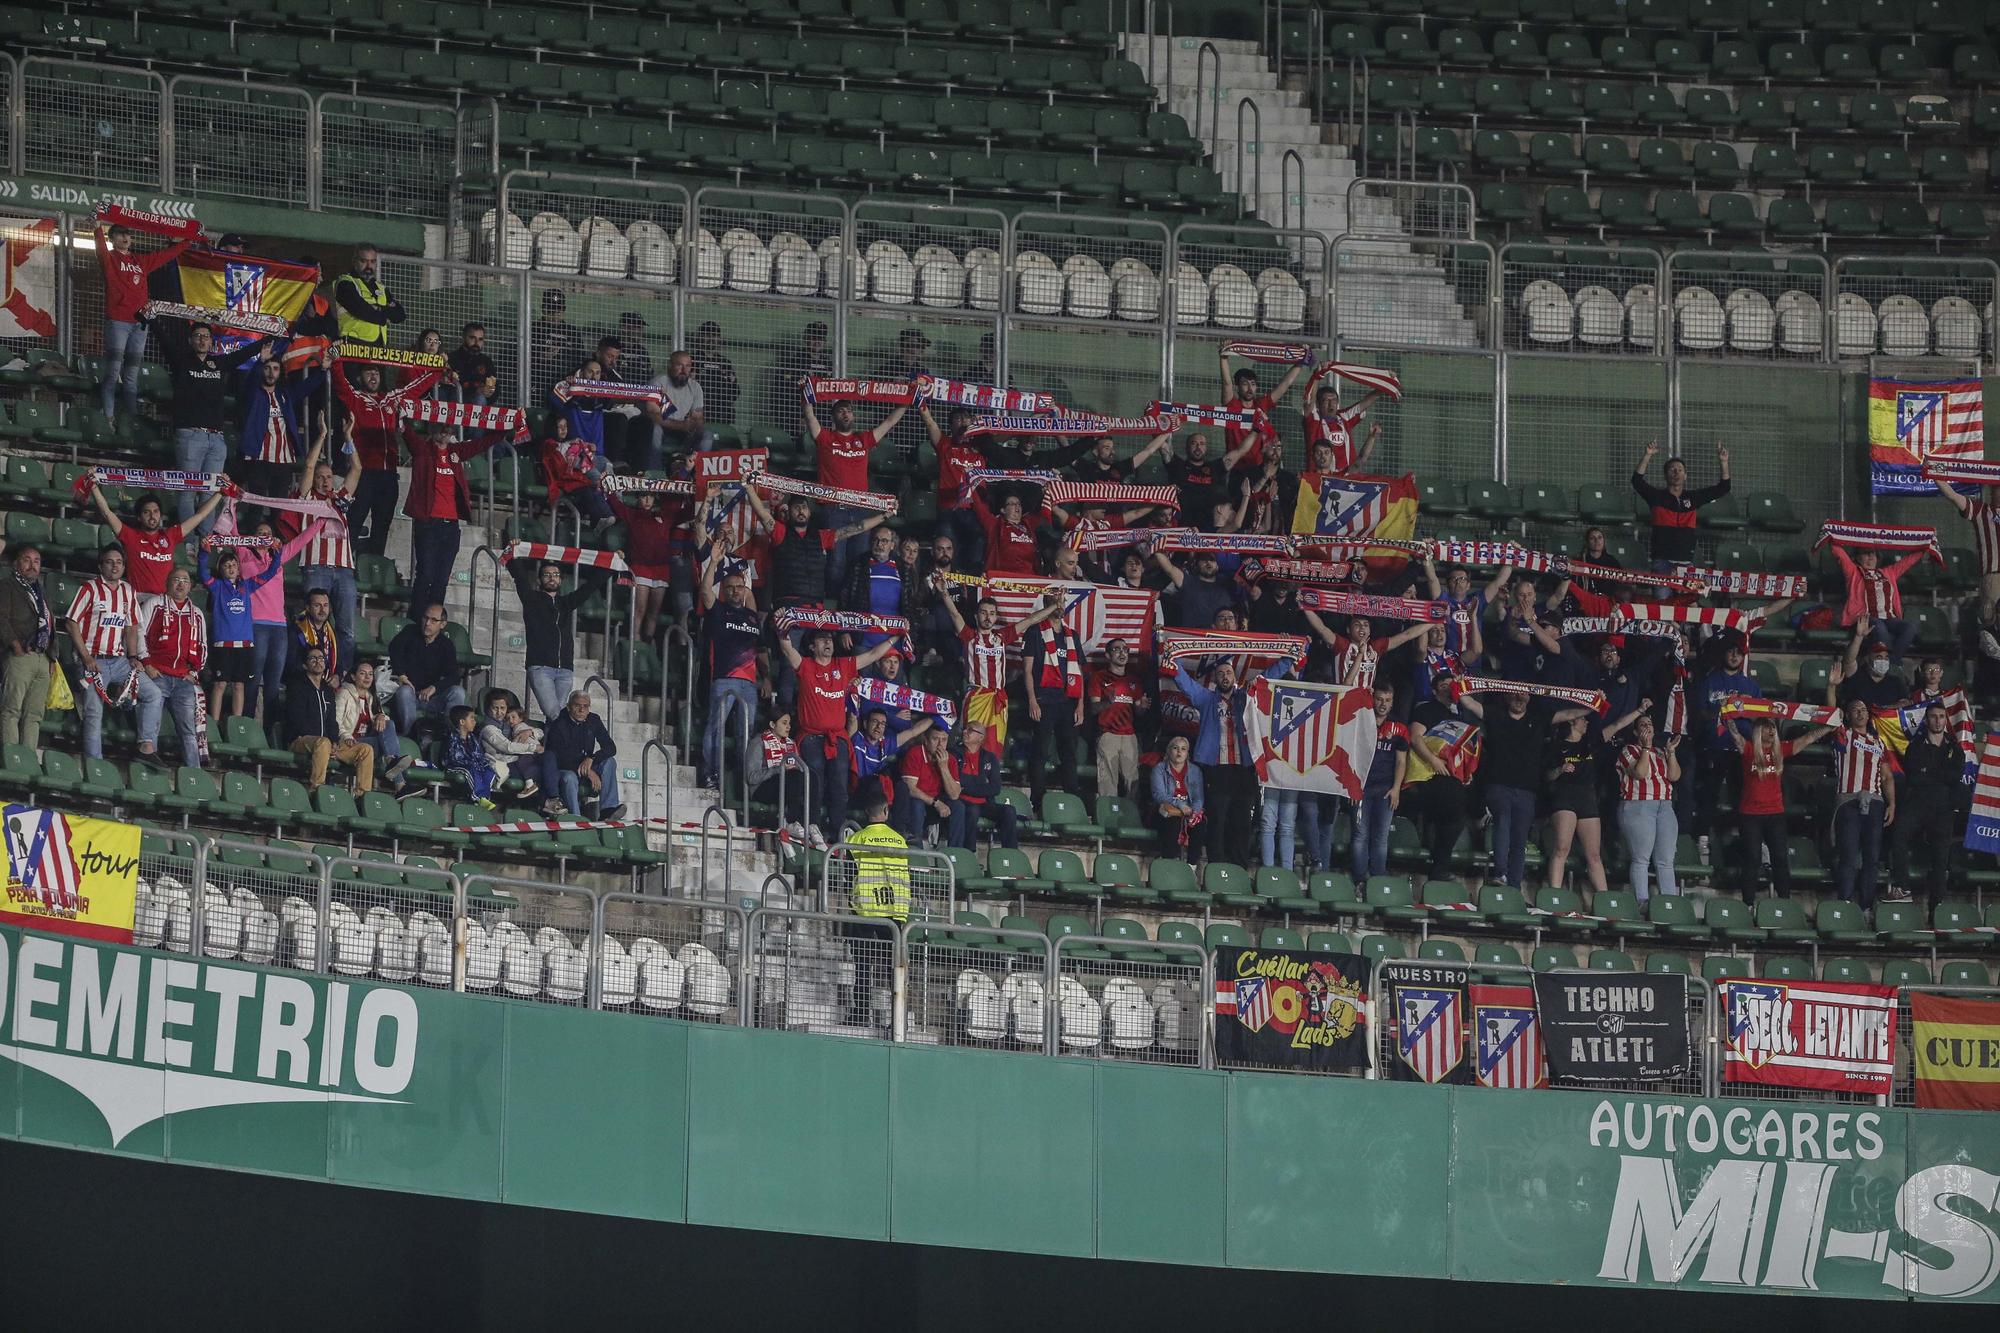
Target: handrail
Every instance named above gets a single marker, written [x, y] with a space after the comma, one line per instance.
[472, 603]
[721, 817]
[687, 684]
[610, 694]
[1215, 92]
[1285, 164]
[1257, 122]
[646, 798]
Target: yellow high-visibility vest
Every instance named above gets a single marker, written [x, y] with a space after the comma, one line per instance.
[881, 879]
[353, 328]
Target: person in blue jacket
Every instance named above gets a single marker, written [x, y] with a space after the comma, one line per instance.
[272, 439]
[1179, 801]
[1222, 748]
[232, 627]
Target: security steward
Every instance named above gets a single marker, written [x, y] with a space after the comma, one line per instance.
[881, 892]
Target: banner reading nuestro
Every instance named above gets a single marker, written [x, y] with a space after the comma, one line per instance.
[28, 278]
[1311, 737]
[261, 293]
[70, 875]
[1830, 1035]
[1302, 1011]
[1632, 1029]
[1956, 1042]
[1506, 1038]
[1914, 422]
[1426, 1017]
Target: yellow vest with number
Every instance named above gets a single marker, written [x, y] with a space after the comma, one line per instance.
[353, 328]
[881, 879]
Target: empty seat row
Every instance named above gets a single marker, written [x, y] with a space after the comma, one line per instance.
[1610, 155]
[1625, 210]
[1746, 320]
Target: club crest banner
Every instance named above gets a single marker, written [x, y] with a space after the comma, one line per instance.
[1829, 1035]
[1300, 1010]
[70, 875]
[1426, 1016]
[1506, 1038]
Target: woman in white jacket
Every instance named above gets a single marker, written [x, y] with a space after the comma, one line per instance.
[514, 749]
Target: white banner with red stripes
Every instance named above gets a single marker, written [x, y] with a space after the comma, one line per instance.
[566, 555]
[1093, 493]
[983, 397]
[1071, 425]
[465, 416]
[1373, 607]
[1717, 617]
[1368, 377]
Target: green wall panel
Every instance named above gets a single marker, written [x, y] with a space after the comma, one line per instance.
[993, 1151]
[636, 1165]
[788, 1132]
[1336, 1175]
[1161, 1196]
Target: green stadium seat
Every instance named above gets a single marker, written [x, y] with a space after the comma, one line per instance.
[1901, 924]
[1611, 960]
[1905, 972]
[1842, 922]
[1500, 97]
[1565, 911]
[1851, 971]
[1329, 941]
[1730, 921]
[1494, 953]
[1333, 893]
[1662, 962]
[1175, 881]
[1673, 915]
[1718, 967]
[1388, 898]
[1378, 949]
[1009, 866]
[1553, 958]
[1231, 886]
[1963, 972]
[1784, 967]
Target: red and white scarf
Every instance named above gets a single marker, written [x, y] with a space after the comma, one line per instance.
[1743, 706]
[1740, 583]
[1375, 608]
[779, 750]
[895, 694]
[1070, 425]
[1368, 377]
[1649, 629]
[1269, 353]
[465, 416]
[612, 390]
[1459, 552]
[1880, 537]
[836, 389]
[1178, 780]
[229, 541]
[1218, 643]
[1091, 493]
[790, 618]
[1206, 414]
[984, 397]
[1970, 471]
[1745, 623]
[1315, 574]
[1241, 543]
[153, 224]
[151, 479]
[566, 555]
[1059, 651]
[826, 495]
[615, 484]
[1566, 694]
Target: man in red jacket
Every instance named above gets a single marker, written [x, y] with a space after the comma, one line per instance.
[438, 502]
[175, 648]
[124, 301]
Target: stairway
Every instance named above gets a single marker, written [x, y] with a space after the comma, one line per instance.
[1385, 289]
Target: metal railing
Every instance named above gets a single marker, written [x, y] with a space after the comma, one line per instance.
[930, 876]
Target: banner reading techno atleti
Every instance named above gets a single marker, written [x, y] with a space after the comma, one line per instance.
[1426, 1018]
[1914, 422]
[1956, 1042]
[1830, 1035]
[1302, 1011]
[1506, 1038]
[1631, 1029]
[70, 875]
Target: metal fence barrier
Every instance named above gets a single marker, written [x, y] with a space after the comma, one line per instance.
[1120, 1001]
[670, 956]
[528, 941]
[930, 875]
[262, 904]
[824, 972]
[172, 872]
[978, 987]
[392, 920]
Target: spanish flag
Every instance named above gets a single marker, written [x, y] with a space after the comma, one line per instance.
[1956, 1044]
[247, 287]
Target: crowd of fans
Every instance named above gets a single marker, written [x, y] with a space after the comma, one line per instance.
[752, 575]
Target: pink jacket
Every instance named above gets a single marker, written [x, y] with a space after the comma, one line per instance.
[267, 604]
[1857, 585]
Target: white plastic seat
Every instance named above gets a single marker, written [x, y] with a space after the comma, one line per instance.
[655, 260]
[395, 952]
[483, 959]
[662, 981]
[1853, 325]
[1600, 317]
[1542, 289]
[434, 957]
[1089, 293]
[606, 252]
[1955, 327]
[709, 265]
[1082, 1018]
[982, 254]
[645, 947]
[222, 925]
[1274, 277]
[1234, 300]
[1027, 259]
[1906, 329]
[1128, 1023]
[707, 988]
[645, 229]
[1227, 273]
[548, 939]
[1752, 322]
[737, 236]
[1699, 319]
[566, 972]
[1024, 1000]
[149, 917]
[1135, 296]
[1130, 266]
[892, 280]
[1039, 291]
[1551, 320]
[695, 952]
[983, 1014]
[619, 979]
[788, 240]
[940, 283]
[1642, 315]
[521, 970]
[1174, 1017]
[558, 249]
[983, 285]
[1190, 295]
[1801, 323]
[885, 250]
[1284, 306]
[261, 932]
[353, 948]
[795, 272]
[747, 268]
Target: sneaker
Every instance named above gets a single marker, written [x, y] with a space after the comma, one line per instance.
[817, 838]
[793, 832]
[554, 808]
[486, 804]
[400, 765]
[611, 813]
[155, 758]
[529, 788]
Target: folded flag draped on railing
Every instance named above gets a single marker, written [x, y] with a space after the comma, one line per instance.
[1373, 607]
[789, 618]
[1218, 643]
[1742, 706]
[1914, 424]
[153, 224]
[1279, 354]
[826, 495]
[617, 484]
[1095, 614]
[1648, 629]
[465, 416]
[983, 397]
[1306, 736]
[565, 555]
[1070, 425]
[1880, 537]
[1735, 582]
[1206, 414]
[610, 390]
[895, 694]
[1089, 494]
[1745, 623]
[1368, 377]
[840, 389]
[246, 293]
[150, 479]
[1562, 694]
[1982, 827]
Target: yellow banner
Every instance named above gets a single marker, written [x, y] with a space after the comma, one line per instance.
[69, 874]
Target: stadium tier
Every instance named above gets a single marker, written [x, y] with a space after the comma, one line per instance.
[941, 523]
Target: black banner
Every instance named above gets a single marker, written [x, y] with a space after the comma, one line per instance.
[1426, 1021]
[1627, 1028]
[1301, 1010]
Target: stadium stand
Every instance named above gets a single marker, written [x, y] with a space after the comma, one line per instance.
[1562, 230]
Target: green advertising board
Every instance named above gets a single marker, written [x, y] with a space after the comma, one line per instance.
[215, 1063]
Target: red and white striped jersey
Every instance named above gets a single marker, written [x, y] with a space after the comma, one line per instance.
[1677, 708]
[104, 611]
[1338, 431]
[1362, 658]
[1647, 781]
[1878, 595]
[276, 446]
[1985, 520]
[331, 546]
[986, 656]
[1862, 759]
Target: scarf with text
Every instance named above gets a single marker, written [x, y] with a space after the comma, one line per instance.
[826, 495]
[1970, 471]
[613, 484]
[1273, 354]
[1218, 643]
[374, 354]
[1880, 537]
[895, 694]
[465, 416]
[1745, 623]
[1562, 694]
[1648, 629]
[1092, 493]
[225, 541]
[310, 506]
[789, 618]
[838, 389]
[1743, 706]
[984, 397]
[150, 479]
[1368, 377]
[1087, 537]
[1740, 583]
[1375, 608]
[153, 224]
[1206, 414]
[565, 555]
[1241, 543]
[236, 321]
[1070, 425]
[1315, 574]
[616, 391]
[1455, 551]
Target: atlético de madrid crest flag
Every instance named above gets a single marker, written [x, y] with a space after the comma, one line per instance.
[1426, 1017]
[1914, 422]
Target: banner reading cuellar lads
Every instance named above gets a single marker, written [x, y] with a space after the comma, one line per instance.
[70, 875]
[1630, 1028]
[1298, 1010]
[1426, 1018]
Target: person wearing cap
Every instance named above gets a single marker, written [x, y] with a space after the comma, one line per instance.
[366, 309]
[233, 243]
[125, 273]
[808, 358]
[637, 363]
[1868, 670]
[714, 372]
[555, 346]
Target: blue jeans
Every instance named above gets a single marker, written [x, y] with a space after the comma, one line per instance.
[1857, 846]
[388, 747]
[1277, 825]
[271, 646]
[177, 693]
[373, 510]
[1371, 837]
[124, 353]
[829, 780]
[408, 706]
[434, 550]
[1898, 634]
[115, 671]
[198, 451]
[572, 786]
[1651, 831]
[345, 593]
[551, 687]
[1513, 810]
[965, 817]
[725, 696]
[1318, 817]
